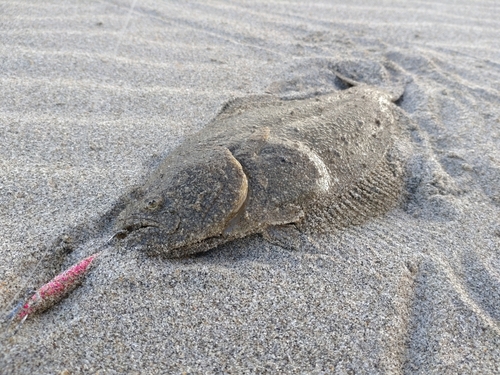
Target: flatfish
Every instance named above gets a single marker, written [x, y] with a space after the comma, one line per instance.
[265, 164]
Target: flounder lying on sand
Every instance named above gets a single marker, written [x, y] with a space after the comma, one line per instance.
[263, 164]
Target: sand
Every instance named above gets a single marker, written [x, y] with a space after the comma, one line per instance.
[95, 94]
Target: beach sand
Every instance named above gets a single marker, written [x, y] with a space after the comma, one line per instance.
[95, 93]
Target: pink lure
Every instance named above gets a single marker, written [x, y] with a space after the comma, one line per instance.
[57, 288]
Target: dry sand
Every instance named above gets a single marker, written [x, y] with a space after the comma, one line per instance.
[94, 94]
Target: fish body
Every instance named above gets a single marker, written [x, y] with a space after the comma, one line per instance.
[264, 163]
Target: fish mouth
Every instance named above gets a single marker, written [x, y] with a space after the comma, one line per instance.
[134, 226]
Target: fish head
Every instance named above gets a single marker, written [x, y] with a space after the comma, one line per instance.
[189, 199]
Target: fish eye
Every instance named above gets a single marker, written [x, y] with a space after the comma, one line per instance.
[152, 203]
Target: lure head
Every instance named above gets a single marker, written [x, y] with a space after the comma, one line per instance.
[191, 198]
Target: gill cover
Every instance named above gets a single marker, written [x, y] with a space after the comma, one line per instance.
[189, 198]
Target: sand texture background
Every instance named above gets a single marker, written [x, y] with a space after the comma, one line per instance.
[93, 94]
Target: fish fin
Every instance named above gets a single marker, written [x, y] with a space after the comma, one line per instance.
[286, 236]
[349, 82]
[384, 75]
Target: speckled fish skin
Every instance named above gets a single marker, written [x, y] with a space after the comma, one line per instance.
[262, 163]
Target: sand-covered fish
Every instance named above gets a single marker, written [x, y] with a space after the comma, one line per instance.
[264, 164]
